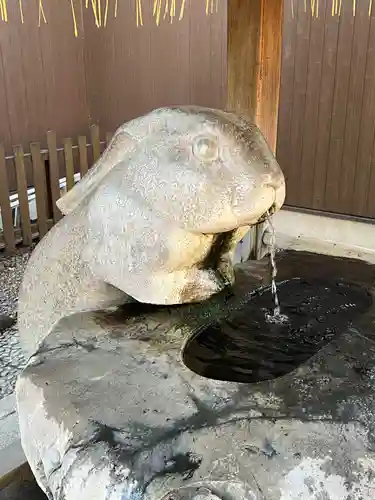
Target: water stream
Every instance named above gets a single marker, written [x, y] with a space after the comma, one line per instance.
[276, 317]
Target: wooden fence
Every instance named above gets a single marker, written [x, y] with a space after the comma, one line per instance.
[41, 174]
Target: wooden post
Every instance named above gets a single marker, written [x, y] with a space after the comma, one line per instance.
[254, 66]
[83, 163]
[40, 184]
[54, 175]
[69, 163]
[22, 195]
[254, 61]
[95, 139]
[6, 211]
[269, 69]
[243, 36]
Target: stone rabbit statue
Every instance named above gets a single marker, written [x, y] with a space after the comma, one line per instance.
[156, 219]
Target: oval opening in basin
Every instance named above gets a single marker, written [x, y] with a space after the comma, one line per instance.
[247, 347]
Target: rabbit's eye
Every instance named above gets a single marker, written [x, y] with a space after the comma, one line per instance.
[206, 149]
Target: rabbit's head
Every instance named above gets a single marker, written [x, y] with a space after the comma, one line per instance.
[205, 170]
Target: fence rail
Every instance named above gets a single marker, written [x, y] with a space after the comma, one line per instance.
[42, 175]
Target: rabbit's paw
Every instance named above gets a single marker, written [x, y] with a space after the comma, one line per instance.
[201, 284]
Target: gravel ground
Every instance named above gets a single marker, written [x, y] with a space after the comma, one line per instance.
[11, 357]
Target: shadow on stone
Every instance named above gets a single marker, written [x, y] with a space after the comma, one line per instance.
[6, 322]
[248, 348]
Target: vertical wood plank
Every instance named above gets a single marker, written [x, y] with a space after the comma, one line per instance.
[269, 67]
[33, 69]
[328, 99]
[369, 179]
[371, 188]
[64, 71]
[83, 163]
[5, 122]
[243, 35]
[6, 211]
[355, 105]
[69, 163]
[283, 152]
[364, 187]
[199, 60]
[22, 195]
[339, 110]
[325, 107]
[95, 141]
[40, 188]
[42, 75]
[16, 83]
[299, 101]
[219, 55]
[310, 122]
[53, 174]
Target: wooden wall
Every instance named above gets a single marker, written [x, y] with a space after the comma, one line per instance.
[42, 75]
[50, 80]
[131, 70]
[327, 109]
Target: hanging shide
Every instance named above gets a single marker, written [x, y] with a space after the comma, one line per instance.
[41, 14]
[336, 7]
[20, 4]
[139, 14]
[4, 10]
[103, 10]
[75, 27]
[168, 7]
[161, 10]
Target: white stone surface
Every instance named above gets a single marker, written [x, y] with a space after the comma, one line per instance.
[341, 237]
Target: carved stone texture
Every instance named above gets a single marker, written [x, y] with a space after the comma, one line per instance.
[109, 411]
[156, 220]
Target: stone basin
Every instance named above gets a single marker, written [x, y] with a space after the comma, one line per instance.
[109, 409]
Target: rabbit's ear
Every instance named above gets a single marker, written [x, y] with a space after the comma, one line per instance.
[117, 150]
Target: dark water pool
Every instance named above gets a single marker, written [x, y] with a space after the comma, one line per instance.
[22, 490]
[246, 347]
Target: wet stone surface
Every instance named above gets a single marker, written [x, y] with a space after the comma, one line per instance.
[251, 346]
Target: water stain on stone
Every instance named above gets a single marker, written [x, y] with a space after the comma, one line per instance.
[183, 463]
[247, 348]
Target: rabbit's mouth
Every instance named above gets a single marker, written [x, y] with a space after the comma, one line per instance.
[279, 198]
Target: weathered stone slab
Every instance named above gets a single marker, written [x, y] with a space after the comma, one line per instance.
[108, 410]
